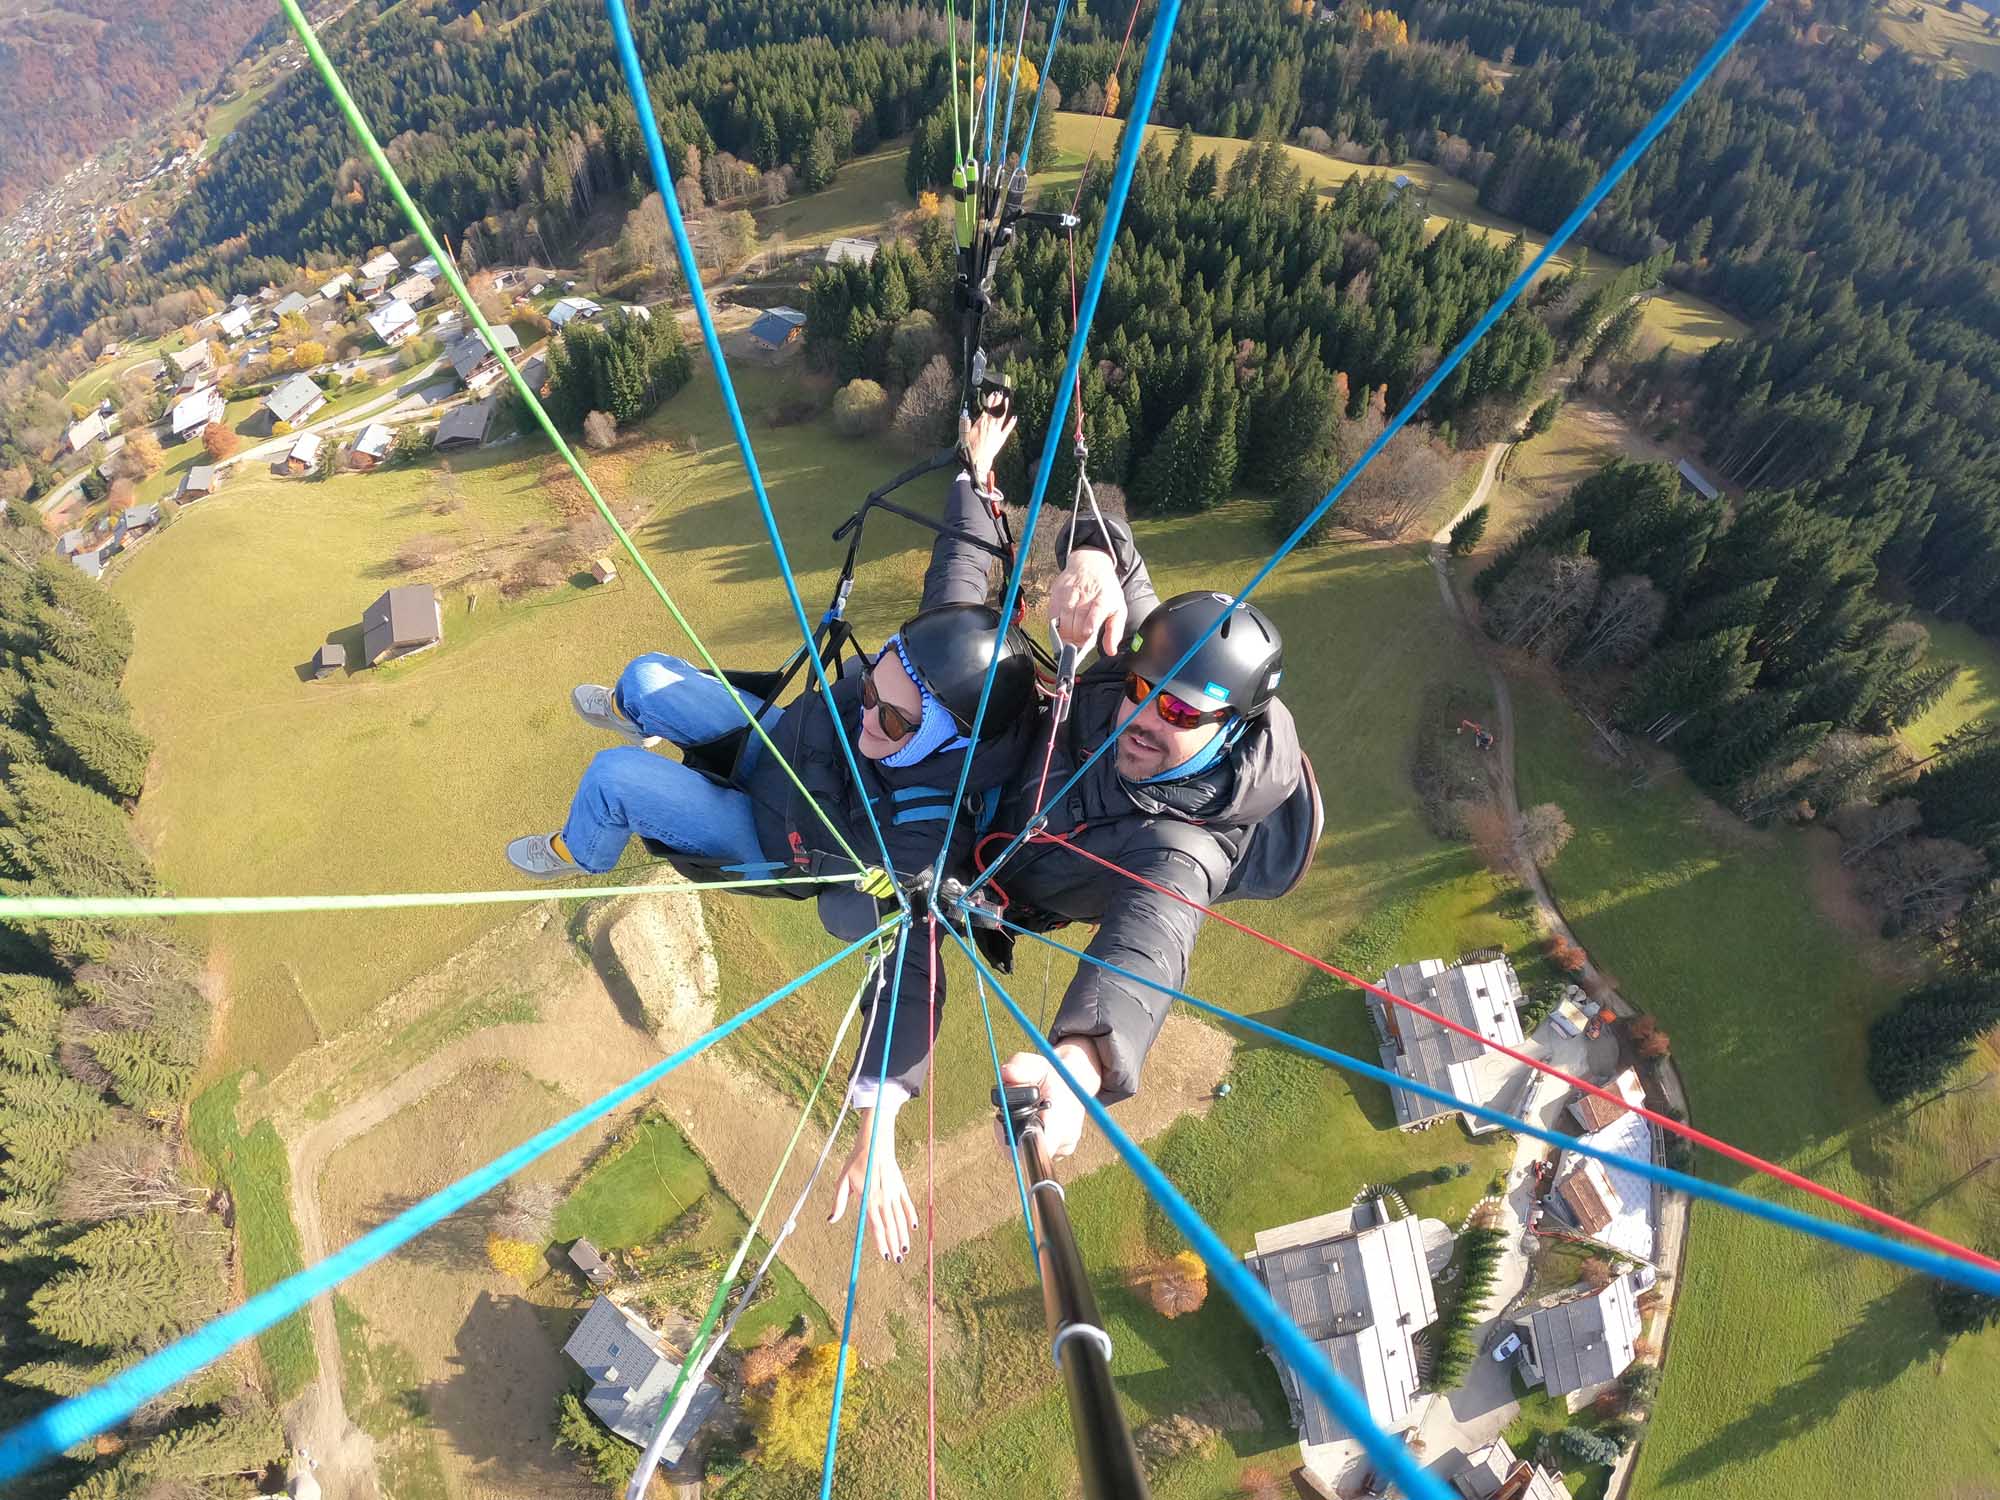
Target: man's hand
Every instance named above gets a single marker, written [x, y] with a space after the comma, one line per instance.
[889, 1211]
[1087, 602]
[1062, 1111]
[985, 438]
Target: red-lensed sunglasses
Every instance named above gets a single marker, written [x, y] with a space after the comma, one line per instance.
[1176, 711]
[894, 725]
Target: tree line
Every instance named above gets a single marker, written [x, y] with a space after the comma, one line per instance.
[109, 1246]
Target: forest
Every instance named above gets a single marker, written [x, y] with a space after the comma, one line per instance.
[107, 1249]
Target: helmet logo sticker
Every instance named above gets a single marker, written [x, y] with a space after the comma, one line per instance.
[1218, 691]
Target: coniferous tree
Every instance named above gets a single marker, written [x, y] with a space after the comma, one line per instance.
[1917, 1045]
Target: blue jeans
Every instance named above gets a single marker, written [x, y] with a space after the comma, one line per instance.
[628, 790]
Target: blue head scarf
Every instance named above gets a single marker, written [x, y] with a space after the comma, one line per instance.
[937, 730]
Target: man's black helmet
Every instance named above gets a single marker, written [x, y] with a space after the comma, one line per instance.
[951, 647]
[1238, 667]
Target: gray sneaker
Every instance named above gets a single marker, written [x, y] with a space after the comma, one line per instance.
[536, 855]
[596, 706]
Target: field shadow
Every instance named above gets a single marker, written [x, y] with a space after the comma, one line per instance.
[348, 638]
[496, 1405]
[611, 974]
[457, 1244]
[1895, 1332]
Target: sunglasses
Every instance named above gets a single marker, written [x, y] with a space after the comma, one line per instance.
[894, 725]
[1176, 711]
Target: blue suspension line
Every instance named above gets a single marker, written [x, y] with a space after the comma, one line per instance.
[1299, 1352]
[1042, 84]
[1079, 340]
[861, 1213]
[663, 179]
[1659, 122]
[1847, 1236]
[1014, 82]
[79, 1418]
[1007, 1123]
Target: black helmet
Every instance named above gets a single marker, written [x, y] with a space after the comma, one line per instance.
[1238, 667]
[951, 647]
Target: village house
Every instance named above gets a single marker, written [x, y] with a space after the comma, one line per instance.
[415, 290]
[1483, 997]
[1612, 1205]
[1592, 1113]
[374, 289]
[381, 263]
[778, 329]
[1494, 1473]
[83, 432]
[338, 285]
[137, 521]
[631, 1376]
[195, 411]
[393, 322]
[1575, 1347]
[199, 481]
[193, 366]
[234, 323]
[848, 250]
[401, 622]
[427, 267]
[295, 400]
[372, 446]
[1357, 1282]
[569, 308]
[291, 302]
[474, 361]
[465, 426]
[304, 456]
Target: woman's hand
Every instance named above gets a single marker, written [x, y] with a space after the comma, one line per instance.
[984, 439]
[889, 1211]
[1062, 1112]
[1087, 602]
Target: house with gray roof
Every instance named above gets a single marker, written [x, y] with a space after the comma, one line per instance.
[474, 362]
[295, 400]
[393, 322]
[83, 432]
[402, 621]
[196, 410]
[631, 1375]
[70, 542]
[193, 361]
[1358, 1284]
[1577, 1346]
[465, 426]
[291, 302]
[1481, 996]
[202, 479]
[235, 323]
[1494, 1473]
[382, 263]
[415, 290]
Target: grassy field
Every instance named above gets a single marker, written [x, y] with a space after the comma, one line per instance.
[1539, 471]
[1958, 40]
[384, 1396]
[1676, 319]
[1976, 694]
[99, 381]
[252, 1167]
[865, 193]
[1791, 1366]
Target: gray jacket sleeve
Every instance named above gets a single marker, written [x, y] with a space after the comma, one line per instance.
[1146, 934]
[1103, 534]
[959, 571]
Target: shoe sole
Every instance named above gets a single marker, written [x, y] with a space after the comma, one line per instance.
[607, 727]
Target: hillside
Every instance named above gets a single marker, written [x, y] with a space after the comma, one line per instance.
[75, 74]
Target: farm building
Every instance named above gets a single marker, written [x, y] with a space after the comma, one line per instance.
[372, 446]
[1582, 1343]
[778, 328]
[305, 454]
[403, 621]
[589, 1264]
[202, 479]
[465, 426]
[569, 308]
[330, 658]
[393, 322]
[631, 1375]
[196, 410]
[848, 250]
[1480, 996]
[382, 263]
[295, 400]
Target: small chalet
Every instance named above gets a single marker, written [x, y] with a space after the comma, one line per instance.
[84, 432]
[631, 1375]
[569, 308]
[475, 362]
[196, 410]
[137, 521]
[1581, 1344]
[199, 481]
[535, 372]
[428, 266]
[1480, 996]
[305, 453]
[234, 323]
[465, 426]
[291, 302]
[848, 250]
[393, 322]
[338, 285]
[589, 1264]
[778, 328]
[330, 658]
[194, 364]
[415, 290]
[91, 564]
[1593, 1113]
[603, 571]
[372, 446]
[295, 400]
[380, 264]
[403, 621]
[375, 289]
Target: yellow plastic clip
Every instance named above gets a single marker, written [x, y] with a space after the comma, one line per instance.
[877, 882]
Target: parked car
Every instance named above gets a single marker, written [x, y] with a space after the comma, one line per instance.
[1509, 1347]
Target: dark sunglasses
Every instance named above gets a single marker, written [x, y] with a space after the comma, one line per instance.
[894, 725]
[1176, 711]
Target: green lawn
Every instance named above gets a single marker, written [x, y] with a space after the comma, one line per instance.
[866, 193]
[253, 1168]
[652, 1177]
[1791, 1367]
[226, 117]
[1976, 693]
[1677, 319]
[1542, 1415]
[101, 379]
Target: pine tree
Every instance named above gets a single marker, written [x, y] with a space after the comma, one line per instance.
[44, 1116]
[1919, 1044]
[131, 1282]
[235, 1442]
[1960, 796]
[1465, 536]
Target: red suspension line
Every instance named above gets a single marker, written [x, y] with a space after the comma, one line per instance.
[1666, 1122]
